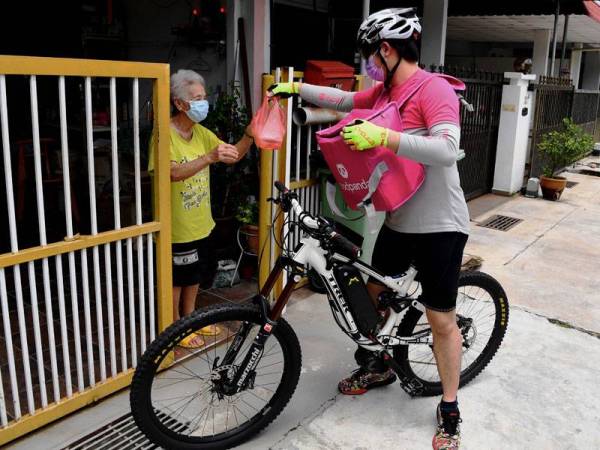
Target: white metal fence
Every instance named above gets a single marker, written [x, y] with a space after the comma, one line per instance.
[97, 290]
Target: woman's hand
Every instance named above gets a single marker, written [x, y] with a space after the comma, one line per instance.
[225, 153]
[363, 135]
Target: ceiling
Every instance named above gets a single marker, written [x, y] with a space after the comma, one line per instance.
[520, 28]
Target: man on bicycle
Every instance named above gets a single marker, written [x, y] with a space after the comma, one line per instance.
[431, 229]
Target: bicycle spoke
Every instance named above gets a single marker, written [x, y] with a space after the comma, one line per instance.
[181, 409]
[169, 385]
[199, 418]
[264, 367]
[252, 393]
[192, 391]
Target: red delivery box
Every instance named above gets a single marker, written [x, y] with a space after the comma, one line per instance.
[329, 73]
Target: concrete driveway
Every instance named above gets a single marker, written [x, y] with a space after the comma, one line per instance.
[541, 390]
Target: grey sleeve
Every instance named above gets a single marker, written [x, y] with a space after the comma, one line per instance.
[327, 97]
[440, 148]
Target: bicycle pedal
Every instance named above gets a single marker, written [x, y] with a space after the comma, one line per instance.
[411, 386]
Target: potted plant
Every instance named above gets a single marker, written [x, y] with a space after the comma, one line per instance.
[248, 216]
[559, 149]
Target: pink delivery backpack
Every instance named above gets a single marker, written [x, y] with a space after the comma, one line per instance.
[376, 179]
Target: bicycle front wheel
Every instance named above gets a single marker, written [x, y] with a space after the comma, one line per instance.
[187, 406]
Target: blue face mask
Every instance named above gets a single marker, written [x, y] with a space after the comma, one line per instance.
[198, 110]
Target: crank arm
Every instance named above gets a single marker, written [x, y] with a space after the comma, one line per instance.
[422, 337]
[412, 386]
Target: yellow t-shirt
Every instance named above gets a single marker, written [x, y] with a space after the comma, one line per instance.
[191, 215]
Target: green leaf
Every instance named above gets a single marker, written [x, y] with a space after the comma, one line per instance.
[563, 147]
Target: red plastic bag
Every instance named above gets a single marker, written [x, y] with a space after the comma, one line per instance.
[269, 124]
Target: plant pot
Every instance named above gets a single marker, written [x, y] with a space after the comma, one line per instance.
[552, 188]
[251, 233]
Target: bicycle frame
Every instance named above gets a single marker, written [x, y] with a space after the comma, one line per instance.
[310, 253]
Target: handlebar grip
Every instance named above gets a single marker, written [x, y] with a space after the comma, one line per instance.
[281, 187]
[344, 247]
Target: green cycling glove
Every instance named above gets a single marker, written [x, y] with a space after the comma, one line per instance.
[285, 90]
[363, 135]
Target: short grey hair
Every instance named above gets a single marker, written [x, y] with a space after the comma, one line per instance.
[181, 81]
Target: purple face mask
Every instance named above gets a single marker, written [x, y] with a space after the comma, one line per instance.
[376, 73]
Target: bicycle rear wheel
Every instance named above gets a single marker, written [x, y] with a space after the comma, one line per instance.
[186, 406]
[482, 316]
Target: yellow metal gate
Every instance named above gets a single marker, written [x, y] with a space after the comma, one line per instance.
[73, 331]
[291, 164]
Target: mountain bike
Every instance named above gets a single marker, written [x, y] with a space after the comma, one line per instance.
[222, 394]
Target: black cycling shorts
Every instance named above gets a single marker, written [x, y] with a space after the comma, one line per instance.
[194, 263]
[436, 256]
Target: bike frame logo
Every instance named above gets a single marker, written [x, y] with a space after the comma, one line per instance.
[251, 365]
[342, 170]
[353, 280]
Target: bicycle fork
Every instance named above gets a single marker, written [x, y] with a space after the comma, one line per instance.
[244, 375]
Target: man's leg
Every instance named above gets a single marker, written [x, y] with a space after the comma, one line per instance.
[447, 349]
[372, 371]
[440, 263]
[387, 258]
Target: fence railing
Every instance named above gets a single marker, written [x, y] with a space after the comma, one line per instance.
[556, 99]
[105, 293]
[584, 110]
[479, 128]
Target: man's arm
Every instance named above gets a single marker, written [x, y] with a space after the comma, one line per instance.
[322, 96]
[438, 149]
[441, 148]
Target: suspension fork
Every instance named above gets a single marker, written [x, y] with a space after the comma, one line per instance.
[261, 301]
[254, 354]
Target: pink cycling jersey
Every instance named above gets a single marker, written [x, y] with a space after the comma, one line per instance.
[431, 135]
[434, 103]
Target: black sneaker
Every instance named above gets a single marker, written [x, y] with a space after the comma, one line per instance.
[447, 436]
[362, 380]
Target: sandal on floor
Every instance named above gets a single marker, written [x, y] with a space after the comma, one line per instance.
[187, 342]
[211, 330]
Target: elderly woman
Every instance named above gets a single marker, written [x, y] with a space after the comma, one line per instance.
[193, 149]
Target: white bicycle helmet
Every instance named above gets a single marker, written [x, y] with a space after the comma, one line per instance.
[391, 23]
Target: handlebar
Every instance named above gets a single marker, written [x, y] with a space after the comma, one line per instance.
[344, 246]
[281, 187]
[331, 238]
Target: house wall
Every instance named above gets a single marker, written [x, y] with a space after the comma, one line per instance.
[149, 38]
[493, 56]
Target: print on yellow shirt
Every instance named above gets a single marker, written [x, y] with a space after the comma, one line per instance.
[191, 215]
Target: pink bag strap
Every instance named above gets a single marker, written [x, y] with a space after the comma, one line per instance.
[456, 84]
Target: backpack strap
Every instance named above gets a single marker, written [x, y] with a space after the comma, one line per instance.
[456, 84]
[380, 169]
